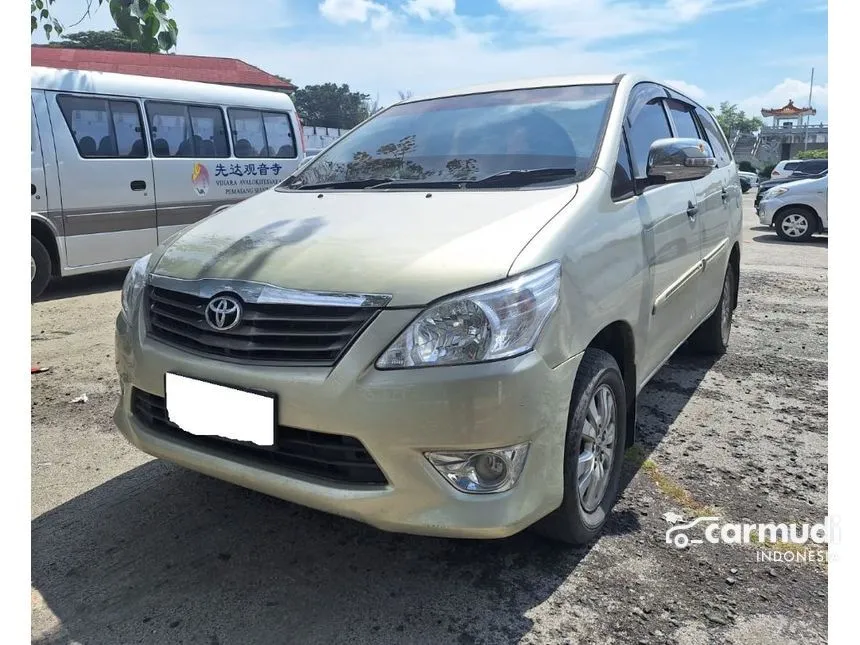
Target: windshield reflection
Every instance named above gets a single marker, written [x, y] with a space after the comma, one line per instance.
[468, 138]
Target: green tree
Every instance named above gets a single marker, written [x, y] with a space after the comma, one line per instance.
[331, 105]
[113, 40]
[812, 154]
[734, 121]
[143, 21]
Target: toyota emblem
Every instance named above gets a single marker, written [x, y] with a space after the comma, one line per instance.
[223, 313]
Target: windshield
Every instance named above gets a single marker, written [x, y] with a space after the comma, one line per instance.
[468, 138]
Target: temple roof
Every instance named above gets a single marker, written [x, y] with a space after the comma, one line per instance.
[789, 109]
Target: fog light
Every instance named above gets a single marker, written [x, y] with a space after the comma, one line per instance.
[481, 471]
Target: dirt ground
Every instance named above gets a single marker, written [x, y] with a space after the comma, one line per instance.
[127, 549]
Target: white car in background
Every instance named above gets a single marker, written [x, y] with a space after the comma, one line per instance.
[784, 168]
[753, 177]
[797, 209]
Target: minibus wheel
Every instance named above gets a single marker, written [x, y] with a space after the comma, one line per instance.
[40, 267]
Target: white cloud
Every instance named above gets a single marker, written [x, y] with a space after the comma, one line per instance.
[594, 20]
[693, 91]
[342, 12]
[426, 9]
[779, 95]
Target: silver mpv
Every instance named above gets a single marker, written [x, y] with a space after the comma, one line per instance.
[440, 324]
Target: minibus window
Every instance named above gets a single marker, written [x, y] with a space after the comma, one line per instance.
[180, 130]
[249, 137]
[103, 128]
[262, 134]
[279, 134]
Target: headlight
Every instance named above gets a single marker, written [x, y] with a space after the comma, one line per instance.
[135, 279]
[775, 192]
[487, 324]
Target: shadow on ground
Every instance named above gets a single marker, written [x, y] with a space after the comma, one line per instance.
[817, 240]
[164, 555]
[83, 285]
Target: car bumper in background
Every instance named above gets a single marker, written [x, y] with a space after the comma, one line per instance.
[766, 210]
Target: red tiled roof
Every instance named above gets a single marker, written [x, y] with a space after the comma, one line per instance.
[206, 69]
[789, 109]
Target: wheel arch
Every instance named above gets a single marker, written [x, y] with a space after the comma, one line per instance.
[43, 232]
[735, 262]
[617, 340]
[800, 207]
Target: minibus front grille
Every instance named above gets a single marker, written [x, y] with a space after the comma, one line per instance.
[278, 334]
[332, 457]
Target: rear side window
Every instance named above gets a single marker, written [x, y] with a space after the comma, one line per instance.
[104, 128]
[813, 167]
[648, 125]
[715, 138]
[262, 134]
[180, 130]
[791, 166]
[682, 116]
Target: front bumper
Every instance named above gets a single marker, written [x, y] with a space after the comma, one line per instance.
[766, 210]
[398, 415]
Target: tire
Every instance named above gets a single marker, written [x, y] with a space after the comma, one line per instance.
[580, 518]
[40, 268]
[712, 336]
[796, 225]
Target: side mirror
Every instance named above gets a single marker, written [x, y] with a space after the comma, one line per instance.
[673, 160]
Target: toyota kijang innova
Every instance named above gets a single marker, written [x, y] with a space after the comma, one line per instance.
[440, 324]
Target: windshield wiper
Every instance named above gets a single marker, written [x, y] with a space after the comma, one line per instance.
[347, 183]
[502, 178]
[524, 177]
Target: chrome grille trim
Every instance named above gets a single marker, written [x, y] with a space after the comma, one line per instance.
[278, 326]
[263, 293]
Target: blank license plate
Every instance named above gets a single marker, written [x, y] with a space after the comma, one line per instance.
[206, 409]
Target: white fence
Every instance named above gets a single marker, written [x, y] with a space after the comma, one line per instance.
[320, 137]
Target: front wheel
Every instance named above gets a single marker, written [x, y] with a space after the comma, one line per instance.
[40, 268]
[795, 225]
[593, 453]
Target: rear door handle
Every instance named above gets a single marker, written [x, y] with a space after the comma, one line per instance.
[32, 189]
[138, 184]
[724, 194]
[692, 211]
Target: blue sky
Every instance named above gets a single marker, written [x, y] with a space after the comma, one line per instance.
[756, 53]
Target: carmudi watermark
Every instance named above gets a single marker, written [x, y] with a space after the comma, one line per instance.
[784, 542]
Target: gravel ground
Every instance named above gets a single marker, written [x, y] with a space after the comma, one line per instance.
[127, 549]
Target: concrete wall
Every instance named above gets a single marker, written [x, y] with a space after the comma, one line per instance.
[320, 137]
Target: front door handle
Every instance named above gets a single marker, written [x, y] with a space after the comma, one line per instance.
[724, 194]
[692, 210]
[138, 184]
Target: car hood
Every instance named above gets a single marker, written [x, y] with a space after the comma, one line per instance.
[412, 245]
[796, 185]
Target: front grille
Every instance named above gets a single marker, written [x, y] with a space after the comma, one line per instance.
[327, 456]
[283, 334]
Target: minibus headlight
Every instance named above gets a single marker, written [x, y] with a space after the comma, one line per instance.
[132, 288]
[487, 324]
